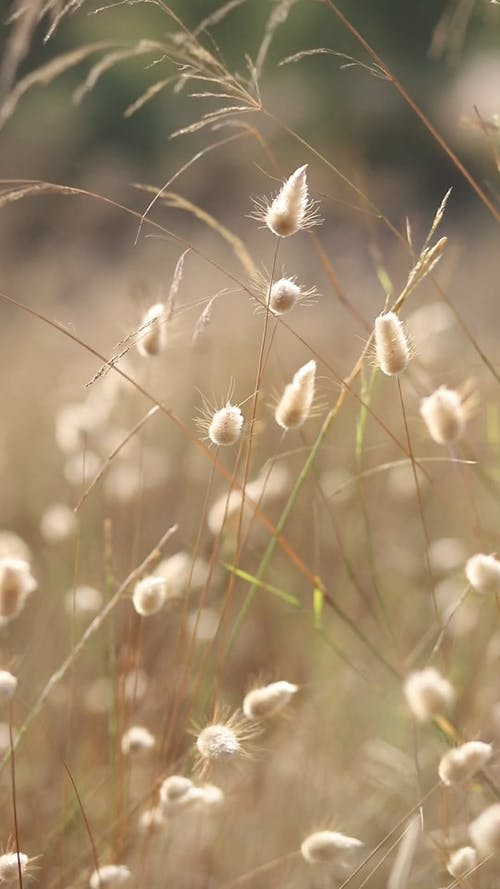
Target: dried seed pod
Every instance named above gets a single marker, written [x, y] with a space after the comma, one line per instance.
[149, 595]
[485, 831]
[13, 547]
[8, 685]
[181, 570]
[221, 741]
[110, 876]
[153, 332]
[58, 523]
[10, 863]
[226, 425]
[137, 741]
[461, 861]
[16, 584]
[284, 296]
[218, 742]
[444, 415]
[446, 554]
[461, 763]
[178, 793]
[211, 796]
[134, 684]
[328, 847]
[391, 344]
[264, 702]
[83, 600]
[291, 210]
[428, 693]
[175, 787]
[296, 401]
[483, 573]
[152, 820]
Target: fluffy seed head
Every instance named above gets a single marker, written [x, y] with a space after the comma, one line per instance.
[291, 209]
[211, 796]
[461, 763]
[461, 861]
[284, 296]
[225, 425]
[218, 742]
[178, 793]
[444, 415]
[9, 866]
[180, 571]
[202, 624]
[152, 820]
[428, 693]
[8, 685]
[13, 546]
[261, 703]
[110, 876]
[83, 600]
[446, 554]
[5, 737]
[153, 336]
[175, 787]
[328, 846]
[391, 344]
[58, 523]
[134, 685]
[16, 584]
[485, 831]
[149, 595]
[483, 573]
[137, 741]
[295, 404]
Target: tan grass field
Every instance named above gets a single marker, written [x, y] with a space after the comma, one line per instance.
[249, 583]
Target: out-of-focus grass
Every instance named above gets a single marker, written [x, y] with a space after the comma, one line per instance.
[343, 603]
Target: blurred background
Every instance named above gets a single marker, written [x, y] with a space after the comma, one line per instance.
[376, 173]
[76, 259]
[445, 53]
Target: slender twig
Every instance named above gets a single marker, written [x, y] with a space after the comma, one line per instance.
[415, 108]
[14, 803]
[85, 819]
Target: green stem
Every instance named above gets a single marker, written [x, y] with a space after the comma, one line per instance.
[285, 515]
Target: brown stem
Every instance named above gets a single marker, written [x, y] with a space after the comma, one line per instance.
[14, 804]
[415, 108]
